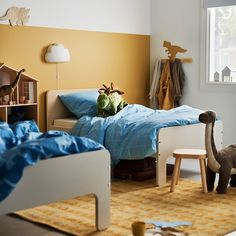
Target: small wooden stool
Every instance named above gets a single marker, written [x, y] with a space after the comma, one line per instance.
[198, 154]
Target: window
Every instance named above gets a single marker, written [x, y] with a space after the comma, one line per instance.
[220, 41]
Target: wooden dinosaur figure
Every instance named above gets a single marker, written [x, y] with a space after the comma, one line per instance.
[10, 88]
[16, 16]
[172, 50]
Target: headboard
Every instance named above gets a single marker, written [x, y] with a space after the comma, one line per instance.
[55, 108]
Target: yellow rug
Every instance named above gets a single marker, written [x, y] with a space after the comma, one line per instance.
[211, 214]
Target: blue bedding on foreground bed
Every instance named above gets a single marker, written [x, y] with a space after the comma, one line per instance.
[23, 145]
[132, 132]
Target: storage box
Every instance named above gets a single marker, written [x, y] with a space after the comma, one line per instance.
[138, 170]
[135, 175]
[137, 165]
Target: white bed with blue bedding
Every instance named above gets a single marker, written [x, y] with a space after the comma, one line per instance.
[133, 133]
[38, 168]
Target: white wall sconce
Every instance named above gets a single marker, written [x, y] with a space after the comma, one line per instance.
[57, 53]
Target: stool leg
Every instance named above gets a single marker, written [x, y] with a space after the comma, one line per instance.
[175, 174]
[203, 174]
[179, 164]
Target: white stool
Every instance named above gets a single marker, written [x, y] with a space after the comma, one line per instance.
[198, 154]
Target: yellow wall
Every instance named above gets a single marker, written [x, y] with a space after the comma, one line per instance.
[96, 58]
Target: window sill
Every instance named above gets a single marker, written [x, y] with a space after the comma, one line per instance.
[221, 83]
[223, 87]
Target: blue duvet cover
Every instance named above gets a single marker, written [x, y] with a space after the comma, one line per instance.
[23, 145]
[132, 132]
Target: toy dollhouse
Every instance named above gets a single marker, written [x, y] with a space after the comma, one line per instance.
[24, 105]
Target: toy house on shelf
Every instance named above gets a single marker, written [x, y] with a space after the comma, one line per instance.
[24, 103]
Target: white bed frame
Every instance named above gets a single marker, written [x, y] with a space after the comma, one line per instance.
[189, 136]
[63, 178]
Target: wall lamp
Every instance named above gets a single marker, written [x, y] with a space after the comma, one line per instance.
[57, 53]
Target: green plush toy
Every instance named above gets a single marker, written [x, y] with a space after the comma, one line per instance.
[109, 101]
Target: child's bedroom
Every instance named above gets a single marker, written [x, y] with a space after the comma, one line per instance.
[117, 117]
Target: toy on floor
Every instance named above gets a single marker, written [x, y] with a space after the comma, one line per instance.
[166, 228]
[109, 101]
[225, 159]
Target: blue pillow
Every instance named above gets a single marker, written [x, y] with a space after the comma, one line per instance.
[7, 137]
[81, 103]
[22, 128]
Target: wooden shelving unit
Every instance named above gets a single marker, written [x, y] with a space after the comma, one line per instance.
[25, 99]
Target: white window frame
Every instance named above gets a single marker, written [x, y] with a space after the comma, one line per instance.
[205, 83]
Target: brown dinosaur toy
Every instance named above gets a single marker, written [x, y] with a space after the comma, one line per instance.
[223, 161]
[10, 88]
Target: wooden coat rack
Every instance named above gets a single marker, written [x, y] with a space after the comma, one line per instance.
[172, 50]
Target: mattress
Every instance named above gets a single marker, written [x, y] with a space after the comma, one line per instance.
[66, 122]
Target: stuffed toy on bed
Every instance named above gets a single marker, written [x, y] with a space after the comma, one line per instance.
[223, 161]
[109, 101]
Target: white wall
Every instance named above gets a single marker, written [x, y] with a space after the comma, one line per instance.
[179, 21]
[122, 16]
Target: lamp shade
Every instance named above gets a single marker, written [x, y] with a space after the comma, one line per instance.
[57, 53]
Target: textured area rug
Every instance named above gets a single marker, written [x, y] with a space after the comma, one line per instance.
[210, 214]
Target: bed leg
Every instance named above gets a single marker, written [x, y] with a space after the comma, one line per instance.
[160, 170]
[103, 208]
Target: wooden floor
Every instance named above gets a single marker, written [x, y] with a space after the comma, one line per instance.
[11, 225]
